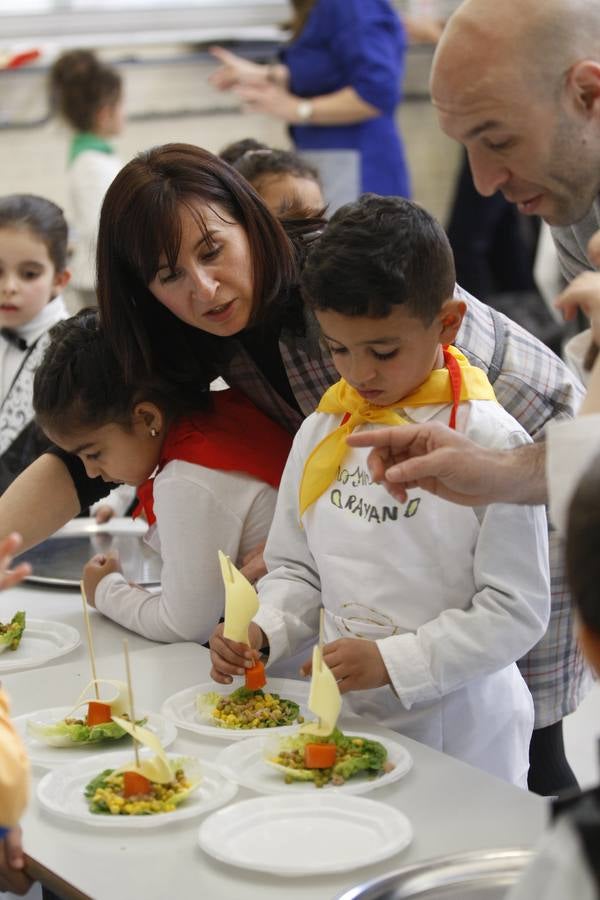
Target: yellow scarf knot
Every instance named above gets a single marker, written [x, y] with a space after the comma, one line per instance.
[457, 382]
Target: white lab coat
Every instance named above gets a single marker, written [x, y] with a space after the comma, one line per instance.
[453, 596]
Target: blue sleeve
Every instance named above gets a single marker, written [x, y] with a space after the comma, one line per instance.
[369, 45]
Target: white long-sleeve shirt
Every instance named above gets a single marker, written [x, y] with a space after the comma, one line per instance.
[198, 512]
[453, 596]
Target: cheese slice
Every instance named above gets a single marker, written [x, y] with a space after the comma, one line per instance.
[157, 768]
[118, 705]
[241, 601]
[324, 698]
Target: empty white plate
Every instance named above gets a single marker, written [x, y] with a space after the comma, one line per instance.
[305, 835]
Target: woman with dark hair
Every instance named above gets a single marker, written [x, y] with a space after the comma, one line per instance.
[196, 278]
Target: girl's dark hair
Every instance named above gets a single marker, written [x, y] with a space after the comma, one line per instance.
[79, 382]
[140, 221]
[302, 10]
[378, 253]
[583, 547]
[234, 152]
[80, 84]
[42, 218]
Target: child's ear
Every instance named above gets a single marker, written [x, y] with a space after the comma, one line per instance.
[151, 416]
[61, 280]
[450, 318]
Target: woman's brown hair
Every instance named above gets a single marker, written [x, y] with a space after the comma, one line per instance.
[302, 10]
[140, 221]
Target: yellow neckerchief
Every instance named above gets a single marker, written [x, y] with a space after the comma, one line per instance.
[458, 381]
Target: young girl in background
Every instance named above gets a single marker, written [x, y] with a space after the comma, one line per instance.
[219, 464]
[89, 96]
[33, 273]
[283, 179]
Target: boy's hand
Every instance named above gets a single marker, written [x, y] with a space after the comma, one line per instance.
[357, 665]
[95, 570]
[232, 658]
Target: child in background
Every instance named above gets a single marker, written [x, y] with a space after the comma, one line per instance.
[219, 464]
[427, 604]
[33, 274]
[89, 96]
[282, 178]
[567, 862]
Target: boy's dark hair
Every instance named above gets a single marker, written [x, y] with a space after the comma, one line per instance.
[42, 218]
[377, 253]
[80, 384]
[80, 84]
[583, 547]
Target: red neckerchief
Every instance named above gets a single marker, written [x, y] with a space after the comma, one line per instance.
[455, 384]
[233, 436]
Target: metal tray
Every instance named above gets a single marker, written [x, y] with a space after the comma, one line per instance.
[59, 561]
[480, 875]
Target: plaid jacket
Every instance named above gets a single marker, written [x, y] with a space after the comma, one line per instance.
[534, 386]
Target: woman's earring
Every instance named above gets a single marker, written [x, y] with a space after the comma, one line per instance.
[154, 432]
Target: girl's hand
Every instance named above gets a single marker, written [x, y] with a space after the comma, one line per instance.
[357, 665]
[264, 97]
[232, 658]
[8, 547]
[235, 69]
[95, 570]
[253, 564]
[104, 513]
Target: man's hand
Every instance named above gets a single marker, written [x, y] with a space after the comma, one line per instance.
[95, 570]
[439, 460]
[232, 658]
[356, 664]
[8, 547]
[12, 876]
[104, 513]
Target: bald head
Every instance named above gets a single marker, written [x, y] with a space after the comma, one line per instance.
[536, 40]
[518, 83]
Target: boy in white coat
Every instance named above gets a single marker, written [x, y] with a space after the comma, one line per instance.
[442, 599]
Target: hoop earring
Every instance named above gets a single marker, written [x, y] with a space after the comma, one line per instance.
[154, 432]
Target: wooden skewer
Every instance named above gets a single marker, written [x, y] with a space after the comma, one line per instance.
[88, 628]
[131, 709]
[321, 641]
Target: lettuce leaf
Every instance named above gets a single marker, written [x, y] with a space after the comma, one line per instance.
[11, 633]
[61, 734]
[355, 754]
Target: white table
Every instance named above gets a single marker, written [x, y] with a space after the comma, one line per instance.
[453, 807]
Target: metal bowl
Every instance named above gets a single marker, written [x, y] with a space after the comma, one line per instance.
[479, 875]
[59, 561]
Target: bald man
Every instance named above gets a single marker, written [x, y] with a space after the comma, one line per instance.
[517, 82]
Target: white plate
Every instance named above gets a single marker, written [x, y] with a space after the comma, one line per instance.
[181, 708]
[42, 641]
[61, 792]
[244, 762]
[305, 835]
[47, 757]
[116, 525]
